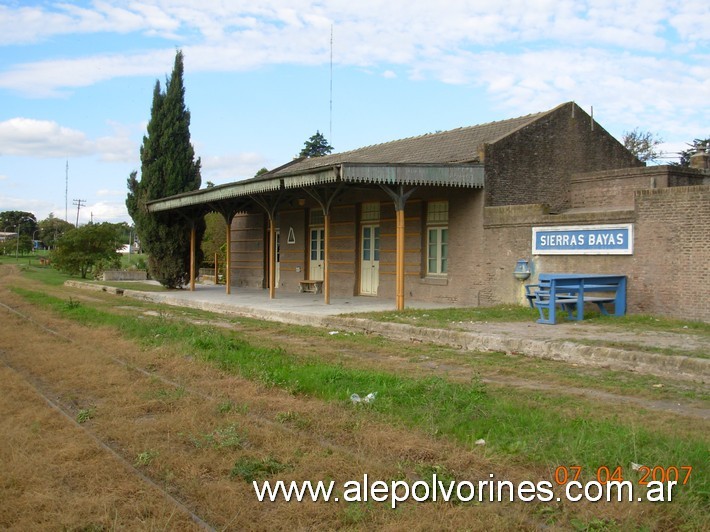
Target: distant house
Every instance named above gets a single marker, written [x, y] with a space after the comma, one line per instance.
[445, 217]
[7, 236]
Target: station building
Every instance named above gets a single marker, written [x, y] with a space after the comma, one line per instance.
[448, 217]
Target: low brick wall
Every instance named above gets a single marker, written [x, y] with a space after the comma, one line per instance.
[125, 275]
[616, 188]
[667, 273]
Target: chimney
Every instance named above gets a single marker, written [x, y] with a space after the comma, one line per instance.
[701, 158]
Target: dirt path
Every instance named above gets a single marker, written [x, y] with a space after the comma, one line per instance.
[595, 332]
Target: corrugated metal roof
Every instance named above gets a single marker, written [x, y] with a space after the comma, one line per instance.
[215, 194]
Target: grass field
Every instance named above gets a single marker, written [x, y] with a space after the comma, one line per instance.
[201, 405]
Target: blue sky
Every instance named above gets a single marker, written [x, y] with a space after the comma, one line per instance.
[76, 79]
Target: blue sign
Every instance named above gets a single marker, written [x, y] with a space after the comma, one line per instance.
[617, 239]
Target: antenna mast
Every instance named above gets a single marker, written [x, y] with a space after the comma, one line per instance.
[330, 134]
[66, 193]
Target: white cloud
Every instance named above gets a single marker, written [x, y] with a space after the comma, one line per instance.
[104, 211]
[621, 88]
[529, 55]
[692, 21]
[228, 168]
[39, 207]
[25, 25]
[220, 36]
[110, 193]
[52, 78]
[120, 146]
[27, 137]
[389, 74]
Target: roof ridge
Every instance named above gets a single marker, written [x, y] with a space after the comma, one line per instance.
[456, 129]
[456, 144]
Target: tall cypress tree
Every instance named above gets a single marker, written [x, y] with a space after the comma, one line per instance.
[168, 167]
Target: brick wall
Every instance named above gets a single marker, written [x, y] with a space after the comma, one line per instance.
[508, 238]
[534, 164]
[616, 188]
[343, 251]
[293, 255]
[670, 274]
[247, 250]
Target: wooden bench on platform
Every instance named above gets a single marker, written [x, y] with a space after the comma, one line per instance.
[314, 287]
[572, 291]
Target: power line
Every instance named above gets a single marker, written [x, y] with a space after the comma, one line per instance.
[79, 204]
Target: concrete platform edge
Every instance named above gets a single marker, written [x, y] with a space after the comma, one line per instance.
[678, 367]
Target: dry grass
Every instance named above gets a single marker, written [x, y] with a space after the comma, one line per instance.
[56, 476]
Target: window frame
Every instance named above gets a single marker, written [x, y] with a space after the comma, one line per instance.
[437, 222]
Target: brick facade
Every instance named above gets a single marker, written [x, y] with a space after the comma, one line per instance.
[616, 188]
[535, 163]
[560, 170]
[668, 273]
[459, 287]
[247, 250]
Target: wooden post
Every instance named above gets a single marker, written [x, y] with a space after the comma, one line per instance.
[216, 268]
[228, 260]
[326, 260]
[193, 239]
[399, 261]
[272, 258]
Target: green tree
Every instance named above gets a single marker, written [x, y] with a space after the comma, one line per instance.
[168, 167]
[316, 146]
[697, 144]
[643, 144]
[261, 171]
[11, 246]
[51, 229]
[215, 237]
[10, 220]
[80, 250]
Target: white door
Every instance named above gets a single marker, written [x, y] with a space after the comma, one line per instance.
[317, 250]
[370, 260]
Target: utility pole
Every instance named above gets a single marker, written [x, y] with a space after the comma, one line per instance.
[79, 204]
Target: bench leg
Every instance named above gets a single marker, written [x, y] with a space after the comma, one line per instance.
[542, 314]
[550, 320]
[602, 308]
[569, 307]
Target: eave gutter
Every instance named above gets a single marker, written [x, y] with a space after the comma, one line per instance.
[451, 175]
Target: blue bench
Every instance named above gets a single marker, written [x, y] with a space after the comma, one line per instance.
[571, 291]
